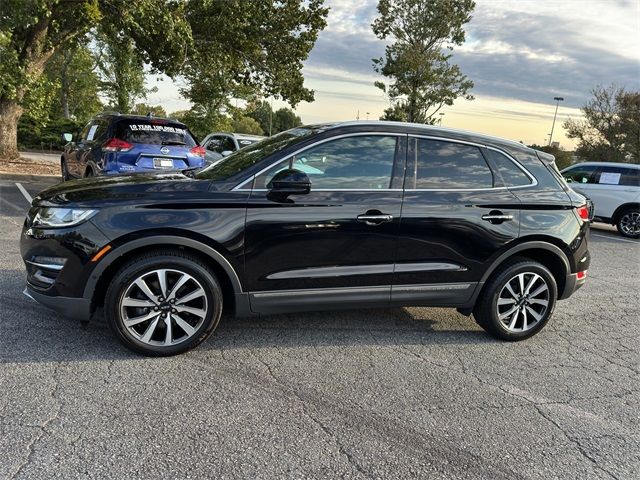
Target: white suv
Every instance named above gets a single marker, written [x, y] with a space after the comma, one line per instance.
[614, 188]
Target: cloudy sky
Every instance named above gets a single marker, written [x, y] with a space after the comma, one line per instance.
[520, 54]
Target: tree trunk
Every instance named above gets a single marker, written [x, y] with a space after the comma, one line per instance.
[10, 112]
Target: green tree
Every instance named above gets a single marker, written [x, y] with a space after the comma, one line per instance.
[416, 62]
[73, 71]
[610, 129]
[272, 122]
[144, 109]
[31, 31]
[243, 48]
[121, 67]
[244, 124]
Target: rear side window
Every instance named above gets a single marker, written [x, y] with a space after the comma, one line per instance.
[450, 166]
[511, 174]
[353, 163]
[623, 176]
[139, 131]
[580, 174]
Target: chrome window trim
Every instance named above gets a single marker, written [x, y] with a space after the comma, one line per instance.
[240, 186]
[534, 181]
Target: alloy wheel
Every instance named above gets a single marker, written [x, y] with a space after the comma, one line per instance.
[163, 307]
[523, 302]
[630, 224]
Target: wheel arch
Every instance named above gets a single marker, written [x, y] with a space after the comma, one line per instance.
[548, 254]
[625, 206]
[100, 277]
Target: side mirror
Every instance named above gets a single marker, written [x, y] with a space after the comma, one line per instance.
[67, 137]
[226, 153]
[290, 182]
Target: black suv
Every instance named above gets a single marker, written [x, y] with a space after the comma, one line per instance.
[348, 215]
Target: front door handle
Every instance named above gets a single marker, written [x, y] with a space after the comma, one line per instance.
[374, 218]
[497, 217]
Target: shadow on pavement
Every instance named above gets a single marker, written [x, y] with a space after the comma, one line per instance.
[30, 332]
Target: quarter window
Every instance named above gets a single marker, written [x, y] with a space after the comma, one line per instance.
[511, 174]
[450, 166]
[355, 163]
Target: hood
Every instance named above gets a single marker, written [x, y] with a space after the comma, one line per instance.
[110, 190]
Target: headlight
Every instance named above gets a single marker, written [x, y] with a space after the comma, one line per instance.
[61, 217]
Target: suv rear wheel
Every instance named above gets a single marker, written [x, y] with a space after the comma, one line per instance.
[629, 223]
[163, 303]
[518, 301]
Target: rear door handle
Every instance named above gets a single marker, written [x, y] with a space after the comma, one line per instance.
[377, 219]
[497, 217]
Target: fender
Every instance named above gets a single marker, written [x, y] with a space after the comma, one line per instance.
[527, 246]
[155, 240]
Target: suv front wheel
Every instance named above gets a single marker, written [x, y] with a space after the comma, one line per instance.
[517, 301]
[163, 303]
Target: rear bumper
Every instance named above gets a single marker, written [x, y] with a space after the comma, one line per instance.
[571, 284]
[78, 308]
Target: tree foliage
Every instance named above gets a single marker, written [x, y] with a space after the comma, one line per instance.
[416, 62]
[272, 122]
[610, 130]
[246, 47]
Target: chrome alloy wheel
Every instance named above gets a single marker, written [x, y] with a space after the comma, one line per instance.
[630, 224]
[523, 302]
[163, 307]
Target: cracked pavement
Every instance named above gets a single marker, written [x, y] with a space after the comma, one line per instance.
[384, 393]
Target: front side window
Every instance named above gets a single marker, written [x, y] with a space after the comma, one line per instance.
[580, 174]
[354, 163]
[441, 165]
[512, 175]
[228, 145]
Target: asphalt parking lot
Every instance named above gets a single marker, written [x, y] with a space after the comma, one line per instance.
[394, 393]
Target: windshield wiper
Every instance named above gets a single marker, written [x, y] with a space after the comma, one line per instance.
[173, 142]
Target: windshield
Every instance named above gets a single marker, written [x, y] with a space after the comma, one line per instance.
[154, 133]
[244, 158]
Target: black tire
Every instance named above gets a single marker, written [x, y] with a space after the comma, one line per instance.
[89, 172]
[64, 170]
[628, 223]
[176, 263]
[486, 311]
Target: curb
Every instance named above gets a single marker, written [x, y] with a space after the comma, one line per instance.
[24, 178]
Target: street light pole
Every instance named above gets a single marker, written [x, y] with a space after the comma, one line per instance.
[558, 100]
[440, 119]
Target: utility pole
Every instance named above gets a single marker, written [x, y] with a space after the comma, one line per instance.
[558, 100]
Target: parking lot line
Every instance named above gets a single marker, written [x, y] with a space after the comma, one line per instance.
[24, 193]
[608, 237]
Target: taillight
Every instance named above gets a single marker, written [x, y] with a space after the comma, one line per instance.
[117, 145]
[198, 150]
[583, 212]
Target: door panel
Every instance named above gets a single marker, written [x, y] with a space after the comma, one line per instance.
[456, 217]
[333, 237]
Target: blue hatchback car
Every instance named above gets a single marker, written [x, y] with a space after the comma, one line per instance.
[112, 143]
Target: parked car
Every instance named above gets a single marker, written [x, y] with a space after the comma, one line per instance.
[224, 144]
[112, 143]
[614, 189]
[345, 215]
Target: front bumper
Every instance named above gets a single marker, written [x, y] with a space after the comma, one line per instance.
[78, 308]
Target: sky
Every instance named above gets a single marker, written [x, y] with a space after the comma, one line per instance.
[520, 54]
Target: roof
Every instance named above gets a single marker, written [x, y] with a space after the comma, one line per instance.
[129, 116]
[607, 164]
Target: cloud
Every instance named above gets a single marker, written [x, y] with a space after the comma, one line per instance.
[527, 51]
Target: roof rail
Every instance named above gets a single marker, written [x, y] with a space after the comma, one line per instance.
[109, 112]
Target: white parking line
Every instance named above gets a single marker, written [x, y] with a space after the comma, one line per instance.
[24, 193]
[614, 238]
